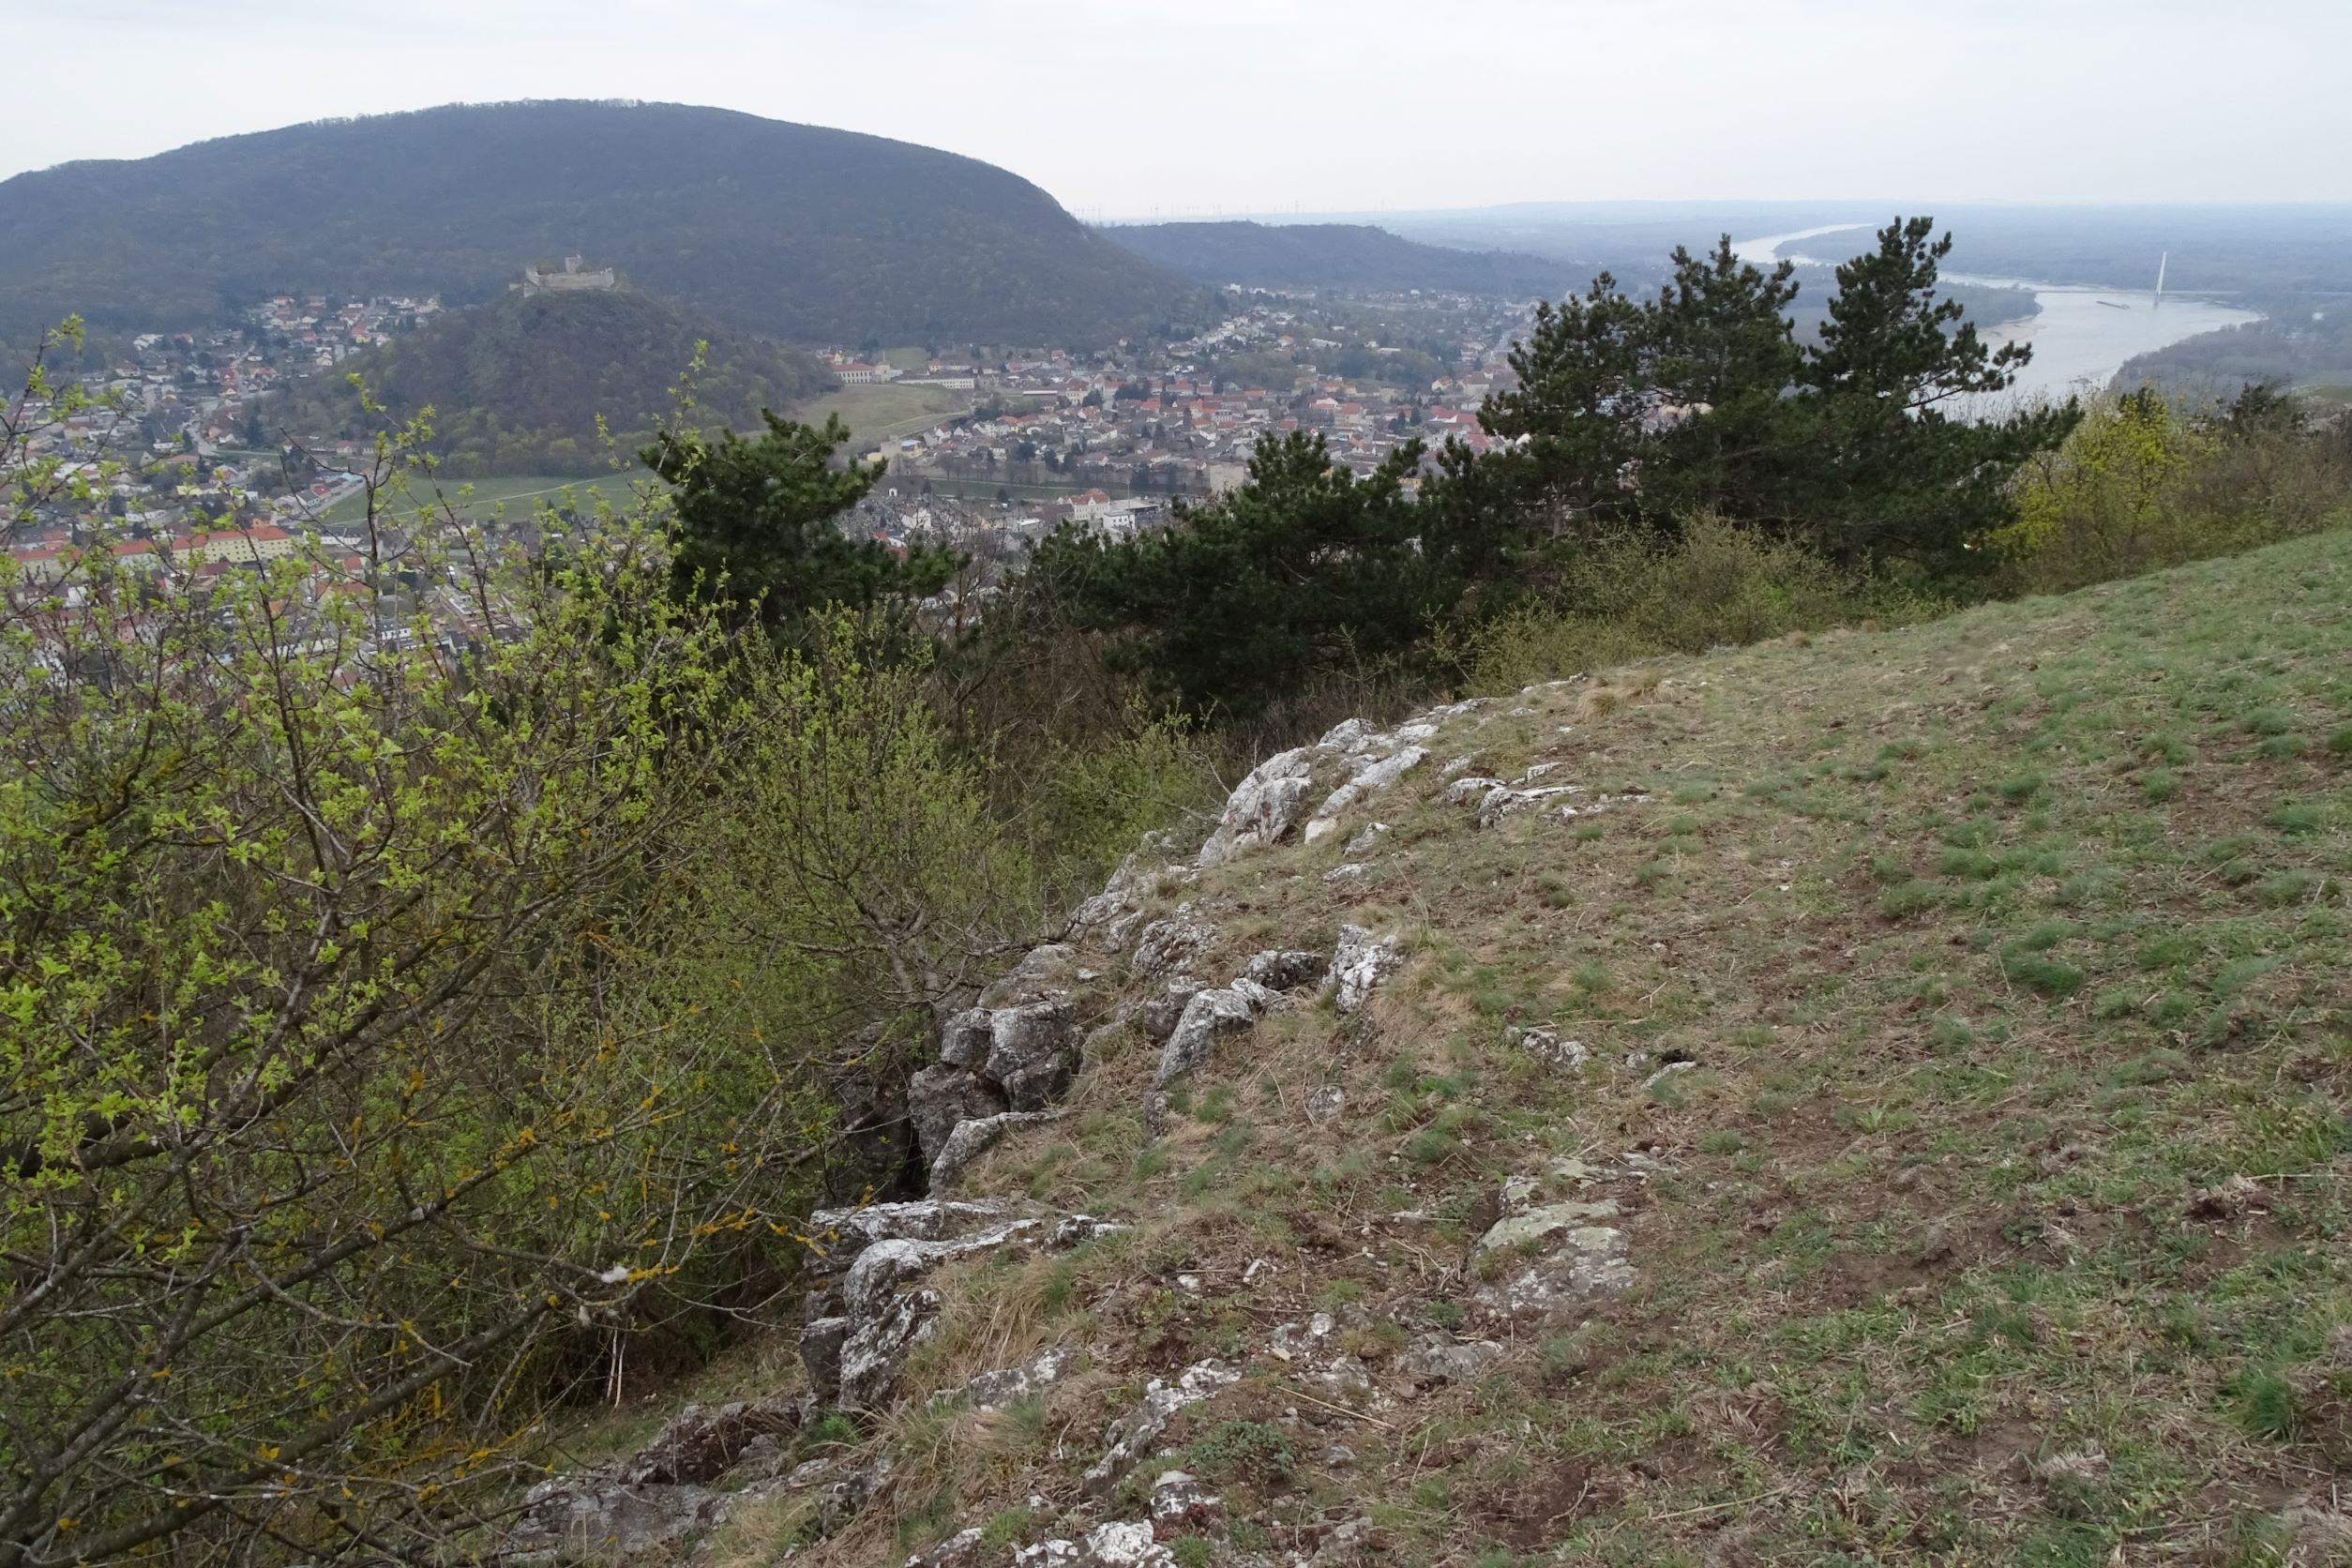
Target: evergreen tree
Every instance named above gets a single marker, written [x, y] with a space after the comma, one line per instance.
[758, 525]
[1722, 356]
[1898, 466]
[1577, 414]
[1302, 567]
[1866, 446]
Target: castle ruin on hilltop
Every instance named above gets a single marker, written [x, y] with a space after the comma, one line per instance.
[575, 278]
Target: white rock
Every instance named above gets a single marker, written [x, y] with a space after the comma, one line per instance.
[1360, 962]
[1531, 1224]
[1475, 787]
[1504, 800]
[1436, 1359]
[1208, 1016]
[872, 1355]
[1110, 1545]
[993, 1391]
[1131, 1436]
[1544, 1044]
[1371, 780]
[1167, 945]
[1264, 808]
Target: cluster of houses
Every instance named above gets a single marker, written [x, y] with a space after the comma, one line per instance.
[1173, 419]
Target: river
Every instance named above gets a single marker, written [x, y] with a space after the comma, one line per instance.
[2080, 337]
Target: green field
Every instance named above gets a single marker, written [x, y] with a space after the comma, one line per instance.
[516, 493]
[885, 413]
[873, 414]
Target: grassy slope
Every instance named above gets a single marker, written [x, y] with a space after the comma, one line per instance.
[1996, 941]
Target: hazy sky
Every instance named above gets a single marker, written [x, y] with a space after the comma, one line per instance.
[1120, 106]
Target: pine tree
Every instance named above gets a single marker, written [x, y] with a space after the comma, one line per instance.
[1899, 467]
[1722, 355]
[1577, 414]
[759, 525]
[1304, 568]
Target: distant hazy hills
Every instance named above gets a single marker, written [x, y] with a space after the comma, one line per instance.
[791, 231]
[516, 384]
[1343, 256]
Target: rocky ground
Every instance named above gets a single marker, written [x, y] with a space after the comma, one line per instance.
[1870, 1099]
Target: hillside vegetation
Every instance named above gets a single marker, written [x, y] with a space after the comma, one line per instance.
[1336, 256]
[1826, 1057]
[1950, 1023]
[797, 231]
[517, 385]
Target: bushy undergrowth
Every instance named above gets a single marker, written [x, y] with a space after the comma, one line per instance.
[2142, 484]
[1631, 596]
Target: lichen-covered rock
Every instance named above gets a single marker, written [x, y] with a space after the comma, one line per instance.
[1360, 963]
[960, 1550]
[1181, 1505]
[1167, 945]
[821, 1344]
[1131, 1436]
[939, 1098]
[877, 1348]
[964, 1039]
[1585, 1263]
[1370, 780]
[1207, 1019]
[1473, 787]
[971, 1140]
[1043, 975]
[581, 1518]
[992, 1391]
[845, 1233]
[1350, 1543]
[1264, 808]
[1436, 1359]
[1367, 836]
[1110, 1545]
[1531, 1224]
[844, 1500]
[1156, 1014]
[1280, 971]
[1544, 1044]
[1031, 1053]
[1502, 801]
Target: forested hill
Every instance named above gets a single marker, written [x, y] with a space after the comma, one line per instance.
[1337, 256]
[517, 385]
[800, 233]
